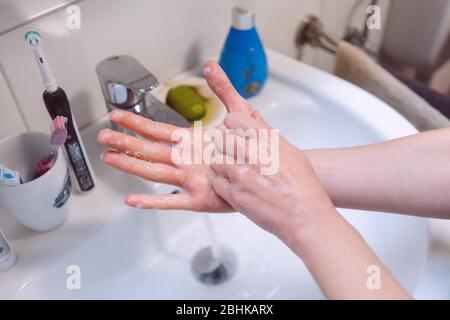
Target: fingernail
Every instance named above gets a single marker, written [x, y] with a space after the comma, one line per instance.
[132, 201]
[102, 156]
[104, 133]
[206, 70]
[116, 115]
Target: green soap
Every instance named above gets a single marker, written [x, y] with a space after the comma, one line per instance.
[187, 102]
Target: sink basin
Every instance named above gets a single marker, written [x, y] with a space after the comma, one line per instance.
[124, 253]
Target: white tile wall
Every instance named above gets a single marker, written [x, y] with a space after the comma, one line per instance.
[167, 36]
[10, 121]
[15, 12]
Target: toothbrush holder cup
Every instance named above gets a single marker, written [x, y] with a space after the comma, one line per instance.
[40, 204]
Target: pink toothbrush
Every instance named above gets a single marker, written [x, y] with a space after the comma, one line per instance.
[58, 138]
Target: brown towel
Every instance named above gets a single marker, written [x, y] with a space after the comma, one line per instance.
[355, 66]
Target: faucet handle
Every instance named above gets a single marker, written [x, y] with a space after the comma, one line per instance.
[124, 80]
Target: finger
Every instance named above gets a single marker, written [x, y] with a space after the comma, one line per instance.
[134, 147]
[257, 116]
[155, 172]
[231, 172]
[240, 120]
[224, 90]
[220, 169]
[250, 134]
[240, 147]
[222, 187]
[144, 127]
[161, 202]
[226, 170]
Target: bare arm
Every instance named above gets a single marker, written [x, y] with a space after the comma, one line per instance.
[409, 175]
[293, 205]
[298, 209]
[341, 262]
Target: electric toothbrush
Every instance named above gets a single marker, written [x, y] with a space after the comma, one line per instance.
[57, 104]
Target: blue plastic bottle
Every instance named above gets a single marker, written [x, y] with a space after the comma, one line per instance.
[243, 58]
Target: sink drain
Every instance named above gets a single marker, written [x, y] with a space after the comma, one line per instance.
[212, 270]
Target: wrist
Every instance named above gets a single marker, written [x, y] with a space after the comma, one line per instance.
[301, 231]
[318, 160]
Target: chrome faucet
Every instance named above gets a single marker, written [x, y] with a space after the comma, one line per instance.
[126, 85]
[7, 256]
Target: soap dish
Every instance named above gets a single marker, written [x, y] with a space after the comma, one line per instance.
[216, 110]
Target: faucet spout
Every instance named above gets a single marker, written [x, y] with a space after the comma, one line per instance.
[126, 84]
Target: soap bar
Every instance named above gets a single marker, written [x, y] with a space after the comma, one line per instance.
[187, 102]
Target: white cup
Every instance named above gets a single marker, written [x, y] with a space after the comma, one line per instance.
[41, 204]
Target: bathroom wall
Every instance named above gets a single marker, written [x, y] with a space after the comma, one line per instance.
[10, 120]
[338, 15]
[15, 12]
[167, 36]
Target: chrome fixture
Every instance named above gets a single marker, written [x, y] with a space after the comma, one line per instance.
[313, 33]
[126, 85]
[7, 256]
[212, 269]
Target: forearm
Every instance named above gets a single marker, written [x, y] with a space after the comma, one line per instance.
[340, 260]
[409, 175]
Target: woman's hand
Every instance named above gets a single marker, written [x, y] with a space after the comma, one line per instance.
[289, 202]
[280, 202]
[151, 159]
[268, 200]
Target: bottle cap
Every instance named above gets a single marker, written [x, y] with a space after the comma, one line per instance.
[243, 18]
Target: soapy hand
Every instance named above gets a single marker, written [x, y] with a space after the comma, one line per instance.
[280, 202]
[151, 159]
[275, 202]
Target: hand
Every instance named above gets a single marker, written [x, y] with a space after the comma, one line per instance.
[290, 202]
[280, 202]
[151, 159]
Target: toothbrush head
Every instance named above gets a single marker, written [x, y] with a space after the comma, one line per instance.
[58, 132]
[33, 38]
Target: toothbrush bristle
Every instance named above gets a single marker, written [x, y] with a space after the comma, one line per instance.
[58, 131]
[58, 123]
[33, 38]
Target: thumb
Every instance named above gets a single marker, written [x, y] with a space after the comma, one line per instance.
[221, 86]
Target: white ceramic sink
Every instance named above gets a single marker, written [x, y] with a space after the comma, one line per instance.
[128, 253]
